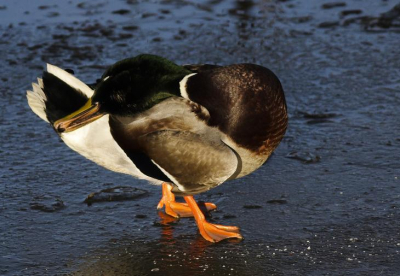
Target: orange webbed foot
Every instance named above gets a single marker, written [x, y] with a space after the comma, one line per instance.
[177, 209]
[216, 232]
[211, 232]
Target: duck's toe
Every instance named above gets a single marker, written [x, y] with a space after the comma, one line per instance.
[216, 232]
[209, 231]
[233, 229]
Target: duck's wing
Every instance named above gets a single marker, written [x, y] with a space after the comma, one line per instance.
[172, 142]
[193, 162]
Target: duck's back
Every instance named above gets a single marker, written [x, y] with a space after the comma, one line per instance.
[246, 102]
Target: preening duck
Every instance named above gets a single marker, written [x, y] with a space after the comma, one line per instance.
[187, 128]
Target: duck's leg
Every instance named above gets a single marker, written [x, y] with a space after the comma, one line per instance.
[177, 209]
[209, 231]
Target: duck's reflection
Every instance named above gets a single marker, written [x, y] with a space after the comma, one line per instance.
[174, 254]
[192, 256]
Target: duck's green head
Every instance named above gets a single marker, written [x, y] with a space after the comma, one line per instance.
[127, 88]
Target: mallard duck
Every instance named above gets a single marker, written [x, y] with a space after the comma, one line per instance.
[187, 128]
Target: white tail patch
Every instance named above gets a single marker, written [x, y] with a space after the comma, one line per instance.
[37, 104]
[37, 99]
[69, 79]
[38, 90]
[40, 82]
[182, 86]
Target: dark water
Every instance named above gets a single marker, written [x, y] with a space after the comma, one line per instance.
[329, 197]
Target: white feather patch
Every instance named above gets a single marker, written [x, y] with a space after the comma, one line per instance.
[40, 82]
[182, 86]
[36, 103]
[39, 91]
[36, 100]
[95, 142]
[71, 80]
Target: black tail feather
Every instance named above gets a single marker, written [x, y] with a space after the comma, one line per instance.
[62, 99]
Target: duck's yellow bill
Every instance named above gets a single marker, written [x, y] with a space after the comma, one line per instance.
[83, 116]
